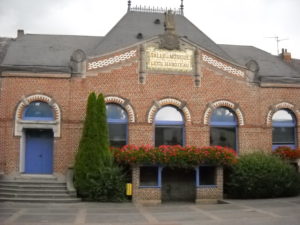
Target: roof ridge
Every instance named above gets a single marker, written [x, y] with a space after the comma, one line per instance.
[62, 35]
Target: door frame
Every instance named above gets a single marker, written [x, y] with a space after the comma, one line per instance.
[22, 157]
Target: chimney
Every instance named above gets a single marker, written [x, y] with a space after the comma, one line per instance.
[286, 56]
[20, 33]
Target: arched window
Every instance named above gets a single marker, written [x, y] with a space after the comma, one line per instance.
[283, 129]
[117, 120]
[38, 111]
[169, 127]
[223, 128]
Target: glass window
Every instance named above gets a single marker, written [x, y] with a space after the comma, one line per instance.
[168, 113]
[169, 127]
[283, 129]
[117, 125]
[283, 116]
[222, 116]
[168, 135]
[149, 176]
[223, 128]
[38, 111]
[223, 136]
[116, 113]
[207, 175]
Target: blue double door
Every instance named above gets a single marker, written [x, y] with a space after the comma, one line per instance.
[39, 151]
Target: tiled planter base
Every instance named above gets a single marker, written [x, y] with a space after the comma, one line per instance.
[153, 195]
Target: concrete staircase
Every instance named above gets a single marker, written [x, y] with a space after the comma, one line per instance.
[36, 190]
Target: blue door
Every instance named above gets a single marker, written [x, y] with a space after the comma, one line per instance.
[39, 151]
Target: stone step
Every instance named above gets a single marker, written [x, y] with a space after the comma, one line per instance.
[30, 195]
[35, 177]
[37, 191]
[31, 183]
[41, 200]
[28, 186]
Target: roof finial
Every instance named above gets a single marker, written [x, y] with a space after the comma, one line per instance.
[181, 7]
[129, 5]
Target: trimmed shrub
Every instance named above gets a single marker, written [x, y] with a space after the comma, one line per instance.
[108, 184]
[260, 175]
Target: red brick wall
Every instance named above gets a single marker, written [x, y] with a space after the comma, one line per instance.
[71, 95]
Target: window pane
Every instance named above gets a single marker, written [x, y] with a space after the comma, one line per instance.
[117, 134]
[223, 114]
[115, 112]
[282, 116]
[223, 136]
[38, 111]
[168, 113]
[168, 135]
[148, 176]
[283, 135]
[207, 175]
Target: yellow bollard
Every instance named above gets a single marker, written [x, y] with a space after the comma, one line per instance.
[128, 189]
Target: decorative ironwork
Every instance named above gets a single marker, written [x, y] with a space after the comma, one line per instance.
[154, 10]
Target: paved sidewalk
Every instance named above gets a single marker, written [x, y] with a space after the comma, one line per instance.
[284, 211]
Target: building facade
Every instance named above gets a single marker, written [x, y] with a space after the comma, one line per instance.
[164, 81]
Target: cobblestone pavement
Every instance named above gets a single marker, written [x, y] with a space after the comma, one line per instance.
[283, 211]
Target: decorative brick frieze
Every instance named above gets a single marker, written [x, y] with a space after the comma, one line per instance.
[110, 60]
[124, 103]
[222, 66]
[223, 103]
[169, 101]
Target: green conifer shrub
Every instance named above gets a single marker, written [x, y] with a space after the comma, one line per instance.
[103, 135]
[88, 157]
[96, 177]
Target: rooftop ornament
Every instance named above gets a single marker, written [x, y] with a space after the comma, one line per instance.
[169, 40]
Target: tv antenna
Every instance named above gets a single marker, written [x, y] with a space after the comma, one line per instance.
[277, 39]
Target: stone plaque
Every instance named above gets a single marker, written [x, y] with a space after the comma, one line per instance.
[169, 60]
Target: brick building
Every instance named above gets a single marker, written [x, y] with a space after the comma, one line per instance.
[164, 80]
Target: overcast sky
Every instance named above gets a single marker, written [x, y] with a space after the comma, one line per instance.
[241, 22]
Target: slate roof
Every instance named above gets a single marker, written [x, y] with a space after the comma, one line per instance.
[4, 43]
[36, 52]
[46, 52]
[271, 68]
[296, 64]
[124, 33]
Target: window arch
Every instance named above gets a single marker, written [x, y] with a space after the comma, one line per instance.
[38, 110]
[283, 129]
[169, 126]
[37, 120]
[223, 128]
[117, 120]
